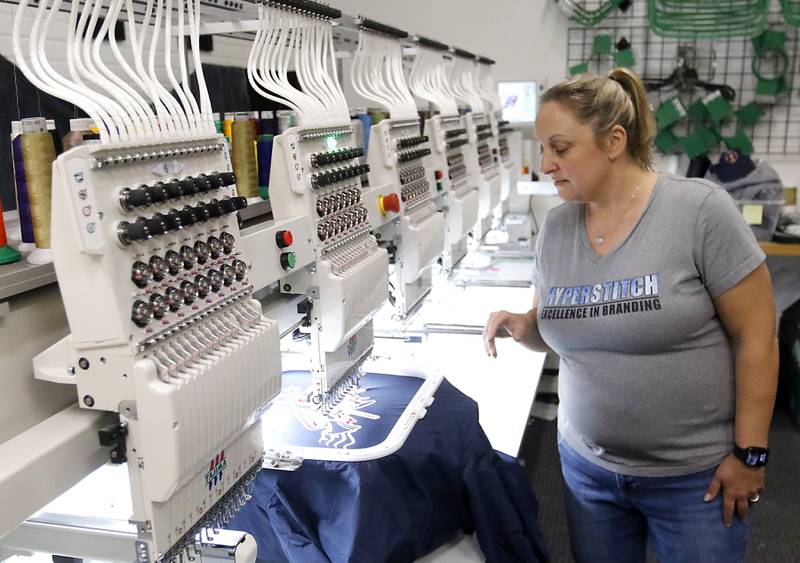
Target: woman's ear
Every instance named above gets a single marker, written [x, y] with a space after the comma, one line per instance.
[616, 142]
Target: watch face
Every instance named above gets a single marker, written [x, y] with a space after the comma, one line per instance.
[756, 456]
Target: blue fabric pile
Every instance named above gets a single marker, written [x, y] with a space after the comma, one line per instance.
[445, 479]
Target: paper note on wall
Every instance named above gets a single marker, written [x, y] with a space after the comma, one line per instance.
[753, 214]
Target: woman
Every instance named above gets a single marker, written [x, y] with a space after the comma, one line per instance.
[654, 293]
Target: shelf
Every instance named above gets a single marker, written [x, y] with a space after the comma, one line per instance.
[780, 249]
[21, 276]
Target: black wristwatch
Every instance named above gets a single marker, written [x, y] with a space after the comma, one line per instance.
[752, 456]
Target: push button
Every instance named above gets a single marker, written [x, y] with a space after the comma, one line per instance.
[288, 260]
[284, 238]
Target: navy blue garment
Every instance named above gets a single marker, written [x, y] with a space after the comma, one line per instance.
[446, 478]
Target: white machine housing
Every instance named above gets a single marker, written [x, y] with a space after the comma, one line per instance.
[315, 173]
[164, 329]
[417, 229]
[460, 190]
[481, 164]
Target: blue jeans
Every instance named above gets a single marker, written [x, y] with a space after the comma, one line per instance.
[612, 516]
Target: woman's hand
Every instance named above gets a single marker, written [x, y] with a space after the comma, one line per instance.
[739, 483]
[502, 324]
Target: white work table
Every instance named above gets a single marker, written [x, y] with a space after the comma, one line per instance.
[91, 518]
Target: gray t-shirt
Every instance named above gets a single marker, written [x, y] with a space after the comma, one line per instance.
[646, 381]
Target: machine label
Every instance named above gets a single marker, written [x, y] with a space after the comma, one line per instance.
[216, 469]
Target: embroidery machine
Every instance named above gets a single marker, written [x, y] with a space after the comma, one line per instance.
[158, 280]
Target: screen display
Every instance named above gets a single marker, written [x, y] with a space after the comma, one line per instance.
[519, 101]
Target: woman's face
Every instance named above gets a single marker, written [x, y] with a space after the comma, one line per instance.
[570, 153]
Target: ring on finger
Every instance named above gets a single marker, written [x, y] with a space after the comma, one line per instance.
[754, 499]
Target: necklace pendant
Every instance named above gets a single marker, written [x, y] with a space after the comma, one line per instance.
[599, 239]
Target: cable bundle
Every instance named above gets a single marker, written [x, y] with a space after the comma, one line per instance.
[131, 108]
[290, 37]
[429, 79]
[462, 77]
[485, 85]
[377, 74]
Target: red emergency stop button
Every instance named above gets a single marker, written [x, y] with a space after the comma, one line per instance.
[284, 238]
[439, 174]
[389, 203]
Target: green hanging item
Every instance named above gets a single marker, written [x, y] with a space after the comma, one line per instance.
[717, 106]
[697, 112]
[669, 112]
[602, 45]
[791, 12]
[748, 114]
[770, 40]
[579, 69]
[771, 88]
[624, 58]
[739, 141]
[666, 141]
[578, 12]
[621, 54]
[770, 47]
[710, 136]
[689, 20]
[695, 144]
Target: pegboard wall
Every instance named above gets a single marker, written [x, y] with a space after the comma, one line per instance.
[720, 61]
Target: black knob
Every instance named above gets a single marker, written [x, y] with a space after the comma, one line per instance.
[189, 292]
[141, 274]
[158, 267]
[215, 279]
[172, 220]
[188, 186]
[131, 198]
[189, 257]
[157, 193]
[228, 242]
[203, 285]
[173, 189]
[141, 313]
[228, 178]
[132, 232]
[201, 251]
[202, 212]
[174, 298]
[202, 183]
[214, 180]
[214, 209]
[157, 225]
[239, 202]
[174, 262]
[158, 305]
[226, 205]
[187, 215]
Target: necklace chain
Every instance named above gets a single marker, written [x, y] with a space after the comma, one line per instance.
[600, 237]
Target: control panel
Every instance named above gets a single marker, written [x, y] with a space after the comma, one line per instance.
[402, 208]
[317, 176]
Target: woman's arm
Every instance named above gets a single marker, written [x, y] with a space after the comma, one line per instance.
[522, 327]
[747, 312]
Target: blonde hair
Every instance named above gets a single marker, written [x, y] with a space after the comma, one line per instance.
[604, 101]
